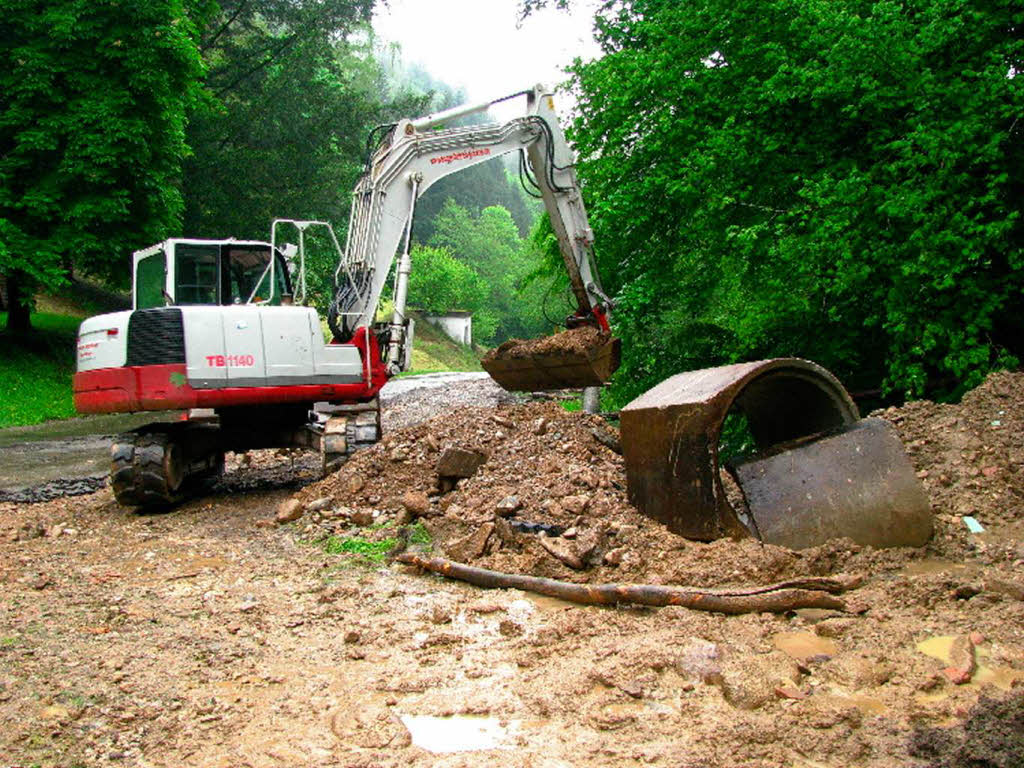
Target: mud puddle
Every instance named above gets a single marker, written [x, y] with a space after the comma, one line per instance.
[460, 733]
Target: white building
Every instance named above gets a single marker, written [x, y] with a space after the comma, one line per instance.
[456, 325]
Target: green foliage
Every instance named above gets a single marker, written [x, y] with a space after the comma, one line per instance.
[489, 244]
[419, 535]
[91, 132]
[440, 283]
[292, 92]
[35, 371]
[840, 181]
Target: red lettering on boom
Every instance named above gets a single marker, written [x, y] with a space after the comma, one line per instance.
[465, 154]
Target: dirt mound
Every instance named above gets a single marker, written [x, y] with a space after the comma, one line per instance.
[970, 456]
[577, 341]
[550, 497]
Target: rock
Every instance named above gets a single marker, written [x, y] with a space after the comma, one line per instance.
[416, 503]
[267, 523]
[836, 627]
[574, 505]
[699, 659]
[607, 439]
[459, 462]
[503, 421]
[614, 556]
[1011, 589]
[957, 676]
[509, 628]
[319, 505]
[587, 543]
[789, 692]
[289, 510]
[361, 517]
[440, 615]
[369, 726]
[961, 654]
[540, 426]
[351, 637]
[562, 553]
[552, 508]
[508, 506]
[749, 682]
[858, 672]
[355, 484]
[248, 606]
[472, 546]
[432, 443]
[624, 533]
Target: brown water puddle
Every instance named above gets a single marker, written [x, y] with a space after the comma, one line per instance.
[460, 733]
[804, 645]
[939, 647]
[933, 565]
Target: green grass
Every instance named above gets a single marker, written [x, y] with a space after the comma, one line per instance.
[35, 370]
[433, 352]
[418, 534]
[360, 551]
[370, 552]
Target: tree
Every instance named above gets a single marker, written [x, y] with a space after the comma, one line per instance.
[489, 244]
[292, 91]
[91, 136]
[441, 283]
[835, 180]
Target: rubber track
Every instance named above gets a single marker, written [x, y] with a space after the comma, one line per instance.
[137, 471]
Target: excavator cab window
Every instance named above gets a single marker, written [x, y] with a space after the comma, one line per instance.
[196, 278]
[217, 273]
[150, 275]
[244, 273]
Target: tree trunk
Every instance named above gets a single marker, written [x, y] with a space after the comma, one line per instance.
[19, 318]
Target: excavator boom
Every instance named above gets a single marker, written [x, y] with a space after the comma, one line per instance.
[411, 157]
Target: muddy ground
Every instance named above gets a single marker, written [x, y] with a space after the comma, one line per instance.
[212, 636]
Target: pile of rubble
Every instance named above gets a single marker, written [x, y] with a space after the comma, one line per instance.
[534, 489]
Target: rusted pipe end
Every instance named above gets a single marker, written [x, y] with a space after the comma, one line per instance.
[671, 433]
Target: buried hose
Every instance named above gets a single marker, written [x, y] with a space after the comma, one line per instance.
[774, 598]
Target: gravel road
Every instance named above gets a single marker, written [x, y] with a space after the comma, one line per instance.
[69, 458]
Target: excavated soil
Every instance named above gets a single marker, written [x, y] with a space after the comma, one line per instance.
[576, 341]
[211, 636]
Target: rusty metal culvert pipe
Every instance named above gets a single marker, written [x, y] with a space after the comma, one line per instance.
[820, 473]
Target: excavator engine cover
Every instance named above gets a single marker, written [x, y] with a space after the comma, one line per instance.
[533, 367]
[820, 473]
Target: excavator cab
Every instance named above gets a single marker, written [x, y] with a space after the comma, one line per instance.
[210, 272]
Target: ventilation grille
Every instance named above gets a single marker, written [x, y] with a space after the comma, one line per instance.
[156, 337]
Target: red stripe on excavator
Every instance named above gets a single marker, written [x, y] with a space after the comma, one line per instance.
[165, 388]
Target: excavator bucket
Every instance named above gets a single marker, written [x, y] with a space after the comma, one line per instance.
[581, 357]
[819, 473]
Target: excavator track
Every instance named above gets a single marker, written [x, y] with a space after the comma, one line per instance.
[349, 429]
[159, 467]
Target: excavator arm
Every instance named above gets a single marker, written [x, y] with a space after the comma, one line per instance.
[411, 157]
